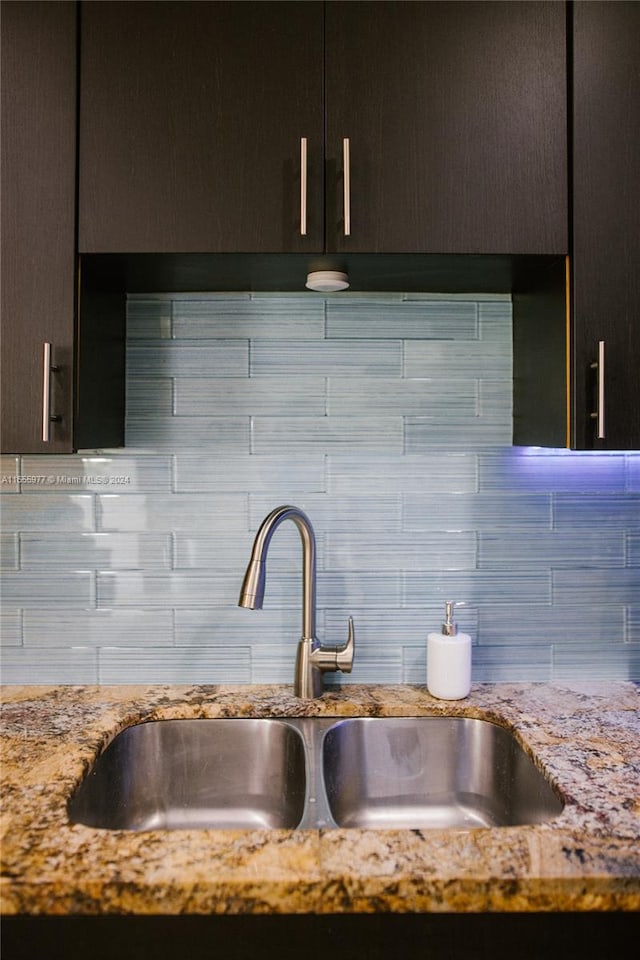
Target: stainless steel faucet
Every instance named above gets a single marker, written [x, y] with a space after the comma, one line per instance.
[312, 659]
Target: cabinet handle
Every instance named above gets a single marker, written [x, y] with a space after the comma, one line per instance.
[47, 369]
[303, 186]
[346, 167]
[598, 416]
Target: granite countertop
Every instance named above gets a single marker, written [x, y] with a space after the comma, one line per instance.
[584, 736]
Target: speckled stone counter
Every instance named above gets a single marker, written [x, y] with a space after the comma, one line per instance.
[585, 738]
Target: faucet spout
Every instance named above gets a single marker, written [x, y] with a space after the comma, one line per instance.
[252, 593]
[312, 659]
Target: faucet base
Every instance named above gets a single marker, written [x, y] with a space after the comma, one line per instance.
[307, 681]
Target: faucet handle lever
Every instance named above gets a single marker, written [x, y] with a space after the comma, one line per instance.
[344, 655]
[336, 658]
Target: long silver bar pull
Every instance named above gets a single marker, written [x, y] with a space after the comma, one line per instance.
[47, 369]
[598, 416]
[346, 168]
[303, 186]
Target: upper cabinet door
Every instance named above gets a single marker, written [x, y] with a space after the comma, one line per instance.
[606, 231]
[191, 121]
[455, 116]
[202, 127]
[38, 225]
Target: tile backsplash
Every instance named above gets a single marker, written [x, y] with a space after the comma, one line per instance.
[387, 418]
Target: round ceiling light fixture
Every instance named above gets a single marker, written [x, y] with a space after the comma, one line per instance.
[327, 281]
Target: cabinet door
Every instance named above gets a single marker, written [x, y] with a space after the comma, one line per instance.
[606, 256]
[456, 118]
[191, 119]
[38, 220]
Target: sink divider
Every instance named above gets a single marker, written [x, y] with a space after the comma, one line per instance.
[317, 813]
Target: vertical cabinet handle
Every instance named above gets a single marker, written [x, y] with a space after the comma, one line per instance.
[598, 415]
[346, 180]
[303, 186]
[47, 369]
[346, 168]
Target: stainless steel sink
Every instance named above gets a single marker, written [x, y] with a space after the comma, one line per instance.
[181, 774]
[313, 772]
[432, 772]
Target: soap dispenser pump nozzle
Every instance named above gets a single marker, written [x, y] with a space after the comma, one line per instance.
[449, 626]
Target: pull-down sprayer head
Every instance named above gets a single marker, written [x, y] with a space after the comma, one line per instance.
[252, 592]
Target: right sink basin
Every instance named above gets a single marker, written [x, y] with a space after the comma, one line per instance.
[432, 772]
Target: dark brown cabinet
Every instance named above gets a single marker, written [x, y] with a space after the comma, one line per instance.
[224, 127]
[456, 120]
[38, 223]
[191, 121]
[62, 354]
[606, 225]
[577, 330]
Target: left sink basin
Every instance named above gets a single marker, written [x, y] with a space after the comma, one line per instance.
[196, 774]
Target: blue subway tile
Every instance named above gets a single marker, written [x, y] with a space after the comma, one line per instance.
[605, 512]
[99, 474]
[238, 316]
[366, 474]
[496, 318]
[444, 398]
[202, 472]
[178, 589]
[479, 587]
[370, 358]
[495, 401]
[99, 551]
[98, 628]
[254, 396]
[407, 551]
[482, 512]
[285, 435]
[424, 435]
[215, 664]
[568, 622]
[532, 663]
[149, 397]
[233, 626]
[423, 320]
[550, 471]
[227, 434]
[271, 663]
[55, 665]
[175, 358]
[48, 511]
[596, 587]
[551, 549]
[632, 470]
[148, 318]
[489, 359]
[10, 627]
[27, 589]
[605, 661]
[212, 512]
[9, 551]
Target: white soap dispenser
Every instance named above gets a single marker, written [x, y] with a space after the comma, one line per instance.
[449, 660]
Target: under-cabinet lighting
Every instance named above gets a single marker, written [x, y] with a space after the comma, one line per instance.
[327, 281]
